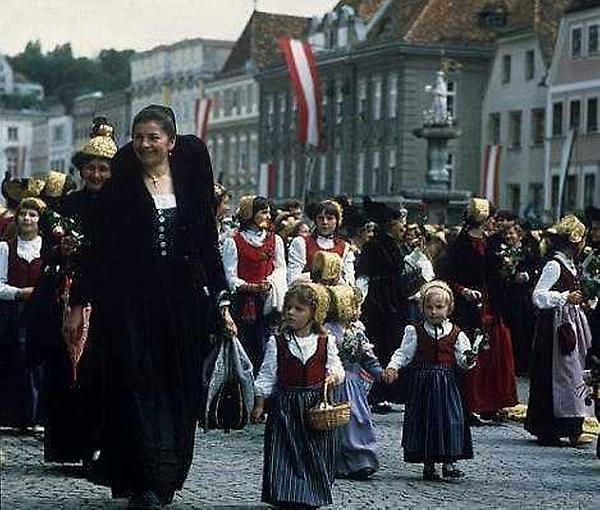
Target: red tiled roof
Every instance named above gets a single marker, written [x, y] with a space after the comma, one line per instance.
[259, 40]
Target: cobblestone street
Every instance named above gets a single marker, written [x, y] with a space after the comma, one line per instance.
[509, 471]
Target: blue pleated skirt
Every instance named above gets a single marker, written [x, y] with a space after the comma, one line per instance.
[435, 426]
[299, 462]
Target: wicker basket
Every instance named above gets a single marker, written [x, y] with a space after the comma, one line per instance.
[327, 416]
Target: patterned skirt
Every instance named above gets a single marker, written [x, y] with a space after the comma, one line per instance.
[299, 462]
[435, 428]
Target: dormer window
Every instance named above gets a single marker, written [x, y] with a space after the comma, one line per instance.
[494, 15]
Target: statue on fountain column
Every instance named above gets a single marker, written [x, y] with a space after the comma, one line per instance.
[438, 115]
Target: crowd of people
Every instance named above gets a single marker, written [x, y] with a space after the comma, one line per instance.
[111, 298]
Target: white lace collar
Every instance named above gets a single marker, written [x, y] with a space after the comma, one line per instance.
[254, 237]
[29, 250]
[440, 331]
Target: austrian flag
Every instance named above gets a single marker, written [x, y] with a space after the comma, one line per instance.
[202, 112]
[307, 88]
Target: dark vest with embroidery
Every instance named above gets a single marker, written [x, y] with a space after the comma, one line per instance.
[20, 272]
[339, 246]
[255, 263]
[291, 372]
[567, 281]
[436, 352]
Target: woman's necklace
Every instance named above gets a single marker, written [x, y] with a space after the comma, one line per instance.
[155, 179]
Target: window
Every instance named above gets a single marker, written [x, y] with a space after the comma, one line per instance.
[449, 167]
[575, 114]
[337, 181]
[360, 174]
[376, 98]
[529, 65]
[494, 128]
[538, 126]
[339, 101]
[514, 197]
[593, 46]
[506, 68]
[451, 99]
[393, 96]
[270, 113]
[280, 176]
[391, 170]
[233, 154]
[554, 188]
[557, 119]
[251, 100]
[536, 194]
[282, 108]
[13, 134]
[323, 172]
[515, 130]
[589, 190]
[243, 107]
[216, 106]
[292, 192]
[12, 161]
[58, 134]
[361, 106]
[576, 34]
[375, 172]
[592, 115]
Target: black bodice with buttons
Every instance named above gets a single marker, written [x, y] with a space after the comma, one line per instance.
[164, 232]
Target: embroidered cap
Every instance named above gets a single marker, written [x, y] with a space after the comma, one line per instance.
[478, 209]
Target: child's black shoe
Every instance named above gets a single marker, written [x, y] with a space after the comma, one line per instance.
[430, 474]
[452, 472]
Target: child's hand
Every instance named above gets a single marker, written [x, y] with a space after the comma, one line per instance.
[391, 374]
[257, 414]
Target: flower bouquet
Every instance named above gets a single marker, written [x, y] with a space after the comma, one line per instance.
[590, 276]
[510, 258]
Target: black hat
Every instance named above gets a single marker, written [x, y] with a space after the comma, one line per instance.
[592, 214]
[381, 213]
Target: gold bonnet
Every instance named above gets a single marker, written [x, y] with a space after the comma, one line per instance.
[102, 143]
[570, 227]
[479, 209]
[17, 191]
[326, 268]
[343, 302]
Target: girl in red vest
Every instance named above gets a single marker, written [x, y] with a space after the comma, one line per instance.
[20, 265]
[328, 219]
[435, 429]
[254, 261]
[299, 462]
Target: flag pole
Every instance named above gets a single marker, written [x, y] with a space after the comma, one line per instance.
[311, 160]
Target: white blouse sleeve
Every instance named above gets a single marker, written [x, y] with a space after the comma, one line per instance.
[278, 278]
[462, 345]
[406, 352]
[296, 260]
[230, 263]
[267, 375]
[7, 292]
[334, 364]
[543, 297]
[348, 265]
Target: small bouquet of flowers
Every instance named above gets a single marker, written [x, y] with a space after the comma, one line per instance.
[510, 258]
[352, 345]
[590, 275]
[62, 226]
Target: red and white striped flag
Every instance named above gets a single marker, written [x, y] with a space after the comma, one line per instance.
[490, 174]
[307, 88]
[202, 112]
[266, 180]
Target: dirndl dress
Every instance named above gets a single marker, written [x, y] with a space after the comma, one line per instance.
[299, 462]
[435, 428]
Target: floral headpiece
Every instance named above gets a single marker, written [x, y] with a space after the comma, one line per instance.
[569, 227]
[437, 285]
[326, 268]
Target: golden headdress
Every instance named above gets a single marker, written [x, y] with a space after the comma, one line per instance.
[316, 294]
[478, 209]
[35, 203]
[55, 183]
[326, 268]
[245, 209]
[100, 145]
[570, 227]
[18, 189]
[437, 285]
[343, 302]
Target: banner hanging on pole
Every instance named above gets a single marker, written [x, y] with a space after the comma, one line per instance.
[307, 89]
[490, 174]
[202, 113]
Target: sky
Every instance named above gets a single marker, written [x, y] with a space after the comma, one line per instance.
[93, 25]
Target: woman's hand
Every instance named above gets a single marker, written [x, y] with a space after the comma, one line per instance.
[391, 374]
[257, 415]
[522, 277]
[25, 293]
[228, 321]
[73, 326]
[575, 297]
[472, 296]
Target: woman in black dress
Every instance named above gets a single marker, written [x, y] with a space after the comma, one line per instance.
[154, 277]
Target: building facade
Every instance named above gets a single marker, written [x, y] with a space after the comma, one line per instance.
[174, 75]
[572, 104]
[16, 141]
